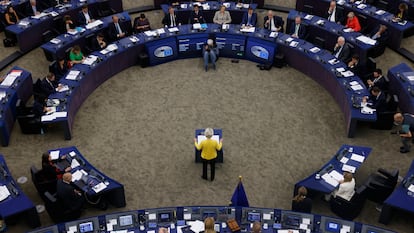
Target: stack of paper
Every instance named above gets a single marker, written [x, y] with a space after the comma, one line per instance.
[53, 116]
[4, 192]
[366, 40]
[330, 180]
[24, 23]
[54, 154]
[308, 17]
[247, 29]
[9, 80]
[174, 29]
[90, 60]
[94, 24]
[40, 15]
[72, 75]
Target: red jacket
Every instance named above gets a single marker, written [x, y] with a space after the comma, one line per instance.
[353, 23]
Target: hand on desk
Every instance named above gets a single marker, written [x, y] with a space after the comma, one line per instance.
[68, 169]
[221, 140]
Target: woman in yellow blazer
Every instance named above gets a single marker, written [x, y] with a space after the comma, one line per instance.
[209, 148]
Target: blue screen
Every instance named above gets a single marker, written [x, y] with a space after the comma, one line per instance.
[332, 227]
[252, 217]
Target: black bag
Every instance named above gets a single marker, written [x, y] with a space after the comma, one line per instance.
[7, 42]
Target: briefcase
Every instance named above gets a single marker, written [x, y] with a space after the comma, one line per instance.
[279, 60]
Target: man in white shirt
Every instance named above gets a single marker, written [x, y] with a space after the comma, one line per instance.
[334, 14]
[272, 22]
[85, 16]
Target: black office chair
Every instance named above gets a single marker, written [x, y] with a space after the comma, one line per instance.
[308, 9]
[105, 9]
[349, 210]
[319, 41]
[88, 46]
[381, 184]
[57, 212]
[385, 120]
[42, 184]
[48, 35]
[383, 5]
[363, 21]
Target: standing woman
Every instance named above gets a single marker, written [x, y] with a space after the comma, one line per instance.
[11, 16]
[300, 202]
[209, 148]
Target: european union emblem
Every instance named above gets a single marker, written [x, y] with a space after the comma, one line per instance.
[239, 197]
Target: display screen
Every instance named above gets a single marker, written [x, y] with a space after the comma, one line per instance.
[253, 217]
[125, 220]
[164, 217]
[86, 227]
[209, 213]
[332, 227]
[292, 220]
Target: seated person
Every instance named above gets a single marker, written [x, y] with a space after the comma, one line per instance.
[49, 170]
[196, 16]
[10, 15]
[377, 100]
[352, 22]
[48, 85]
[170, 19]
[380, 34]
[272, 22]
[210, 53]
[297, 29]
[335, 14]
[401, 13]
[346, 188]
[141, 24]
[85, 16]
[341, 50]
[76, 55]
[60, 68]
[377, 80]
[222, 16]
[71, 198]
[257, 227]
[209, 225]
[68, 24]
[98, 43]
[249, 18]
[354, 65]
[39, 106]
[300, 202]
[33, 8]
[406, 121]
[117, 30]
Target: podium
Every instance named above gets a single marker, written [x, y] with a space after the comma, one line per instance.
[197, 153]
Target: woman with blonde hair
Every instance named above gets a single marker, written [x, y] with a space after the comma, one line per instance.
[209, 225]
[300, 202]
[209, 148]
[346, 187]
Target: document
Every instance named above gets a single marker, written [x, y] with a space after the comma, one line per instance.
[336, 175]
[287, 231]
[54, 155]
[380, 12]
[315, 49]
[133, 39]
[347, 74]
[183, 6]
[348, 168]
[367, 110]
[303, 226]
[72, 75]
[94, 24]
[4, 192]
[366, 40]
[266, 216]
[160, 30]
[226, 4]
[74, 163]
[357, 87]
[2, 94]
[91, 59]
[174, 29]
[340, 69]
[76, 175]
[150, 33]
[330, 180]
[361, 6]
[247, 29]
[64, 88]
[196, 225]
[308, 17]
[9, 80]
[99, 187]
[55, 41]
[294, 44]
[72, 153]
[402, 23]
[206, 6]
[357, 157]
[187, 216]
[347, 29]
[354, 83]
[289, 39]
[411, 188]
[273, 34]
[40, 15]
[344, 160]
[196, 26]
[306, 221]
[24, 23]
[333, 61]
[45, 118]
[320, 22]
[201, 138]
[53, 13]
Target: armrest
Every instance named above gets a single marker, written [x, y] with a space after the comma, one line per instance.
[50, 197]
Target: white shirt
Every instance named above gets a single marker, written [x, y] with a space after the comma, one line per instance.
[332, 16]
[272, 24]
[87, 17]
[346, 190]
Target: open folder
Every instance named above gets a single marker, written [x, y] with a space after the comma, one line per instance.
[201, 138]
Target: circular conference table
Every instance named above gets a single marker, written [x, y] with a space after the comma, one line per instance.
[168, 44]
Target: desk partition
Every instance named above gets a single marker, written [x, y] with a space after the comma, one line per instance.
[29, 30]
[401, 199]
[190, 219]
[13, 202]
[17, 85]
[348, 158]
[87, 178]
[369, 17]
[401, 85]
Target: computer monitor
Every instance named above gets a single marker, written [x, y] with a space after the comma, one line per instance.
[254, 216]
[126, 221]
[86, 227]
[209, 213]
[291, 220]
[332, 226]
[164, 217]
[371, 229]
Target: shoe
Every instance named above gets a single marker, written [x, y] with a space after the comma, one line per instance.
[204, 178]
[206, 68]
[401, 147]
[404, 151]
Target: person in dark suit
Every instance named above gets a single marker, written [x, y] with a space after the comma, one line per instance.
[377, 100]
[85, 16]
[354, 65]
[297, 29]
[335, 14]
[377, 80]
[249, 18]
[33, 8]
[98, 42]
[39, 106]
[341, 49]
[300, 202]
[272, 22]
[116, 29]
[48, 85]
[196, 16]
[380, 33]
[170, 19]
[60, 69]
[71, 198]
